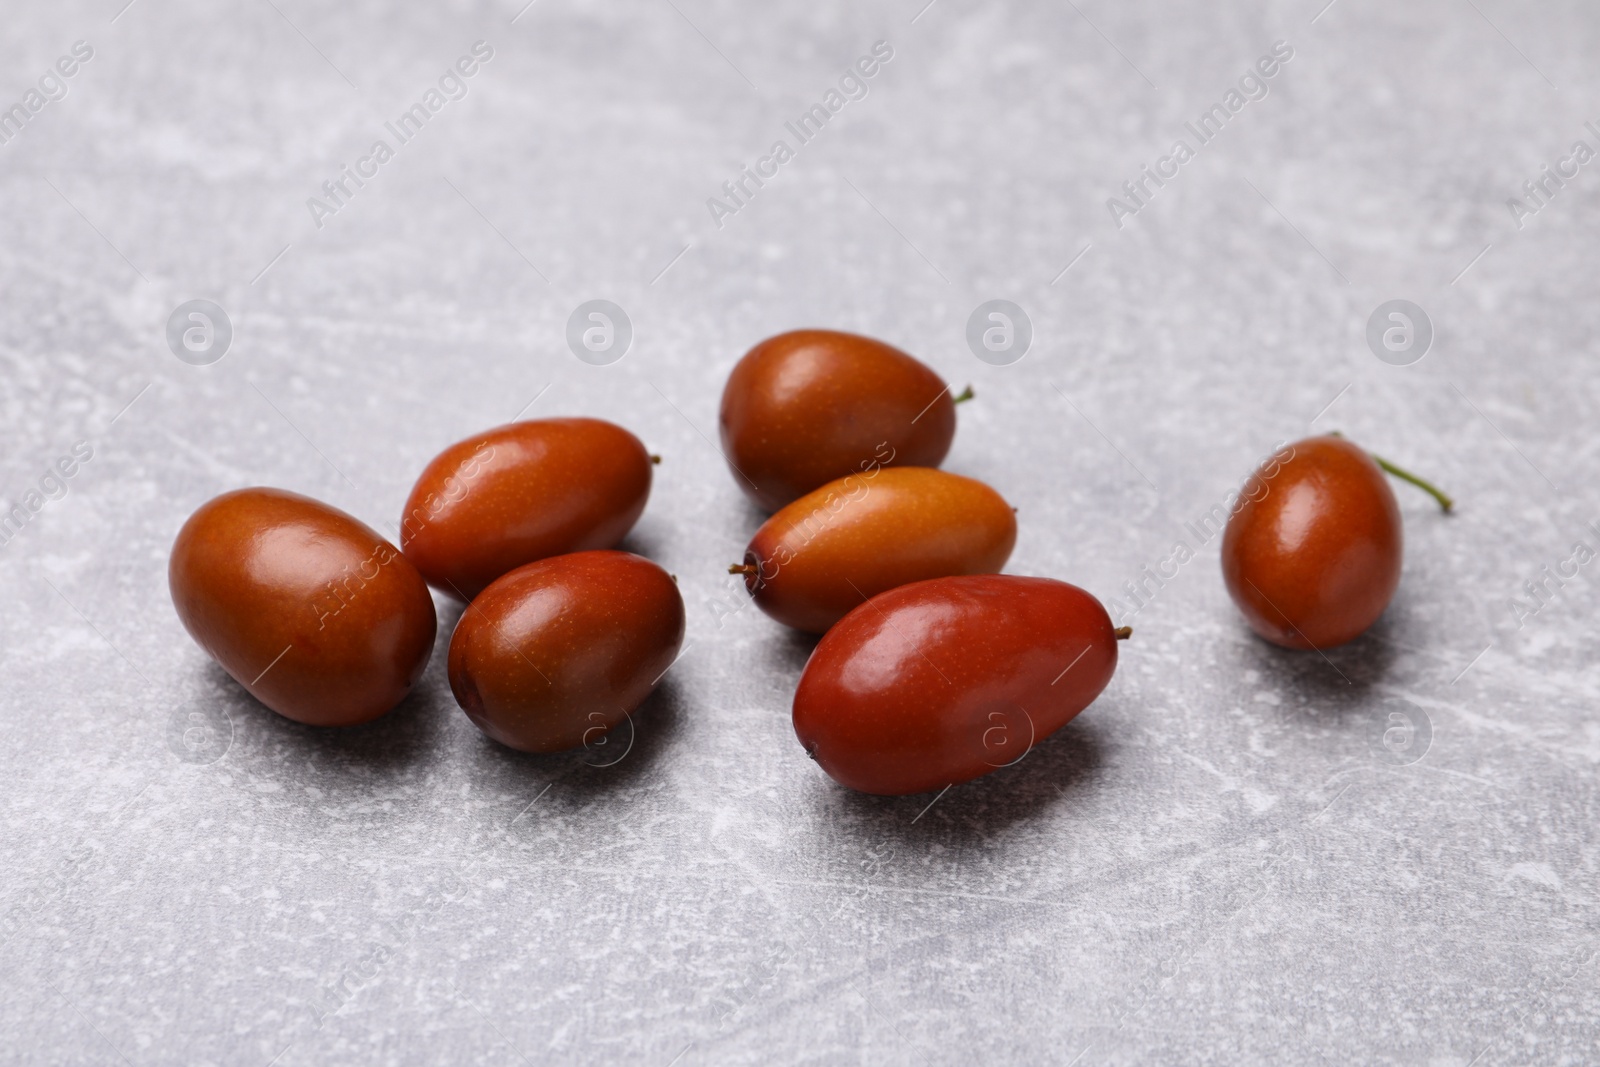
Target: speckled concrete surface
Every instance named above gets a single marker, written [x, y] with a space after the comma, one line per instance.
[1223, 861]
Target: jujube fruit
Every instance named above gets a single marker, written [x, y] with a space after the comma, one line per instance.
[806, 407]
[825, 553]
[321, 619]
[522, 492]
[557, 652]
[1312, 554]
[941, 681]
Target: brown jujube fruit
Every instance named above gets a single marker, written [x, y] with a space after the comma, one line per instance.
[522, 492]
[806, 407]
[322, 620]
[825, 553]
[556, 653]
[1314, 559]
[942, 681]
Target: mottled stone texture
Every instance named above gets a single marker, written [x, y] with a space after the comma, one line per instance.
[1220, 862]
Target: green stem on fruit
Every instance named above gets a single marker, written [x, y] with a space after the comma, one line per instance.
[655, 457]
[966, 394]
[1123, 632]
[743, 568]
[1445, 503]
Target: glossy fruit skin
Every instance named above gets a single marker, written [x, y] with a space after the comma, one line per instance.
[825, 553]
[556, 653]
[806, 407]
[521, 492]
[946, 680]
[322, 620]
[1314, 559]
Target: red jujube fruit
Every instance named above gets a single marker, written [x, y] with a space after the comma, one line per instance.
[854, 538]
[806, 407]
[941, 681]
[556, 653]
[521, 492]
[1314, 559]
[322, 620]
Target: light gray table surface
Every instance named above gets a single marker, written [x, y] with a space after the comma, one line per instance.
[1236, 855]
